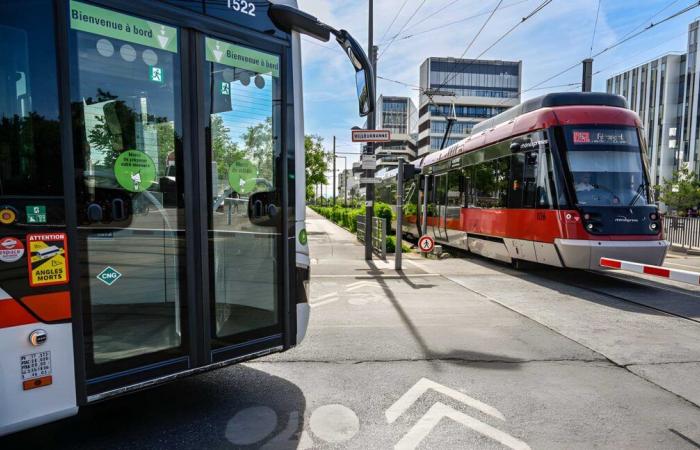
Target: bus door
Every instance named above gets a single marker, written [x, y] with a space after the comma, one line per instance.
[243, 106]
[178, 195]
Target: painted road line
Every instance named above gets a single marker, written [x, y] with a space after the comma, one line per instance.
[417, 265]
[379, 277]
[437, 412]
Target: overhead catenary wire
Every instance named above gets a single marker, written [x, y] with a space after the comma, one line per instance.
[616, 44]
[396, 16]
[595, 28]
[537, 9]
[402, 28]
[454, 22]
[476, 36]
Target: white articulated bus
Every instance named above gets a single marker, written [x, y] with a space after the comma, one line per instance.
[151, 193]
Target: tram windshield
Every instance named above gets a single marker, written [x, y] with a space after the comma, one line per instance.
[606, 166]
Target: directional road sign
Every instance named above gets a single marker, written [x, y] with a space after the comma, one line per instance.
[371, 135]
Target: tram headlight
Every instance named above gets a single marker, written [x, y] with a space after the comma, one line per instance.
[654, 216]
[587, 216]
[590, 226]
[653, 226]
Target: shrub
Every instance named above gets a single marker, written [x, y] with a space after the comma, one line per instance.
[391, 245]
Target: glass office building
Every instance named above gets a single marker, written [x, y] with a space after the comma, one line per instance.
[664, 92]
[468, 89]
[400, 116]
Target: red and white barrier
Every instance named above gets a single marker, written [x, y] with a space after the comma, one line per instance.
[684, 276]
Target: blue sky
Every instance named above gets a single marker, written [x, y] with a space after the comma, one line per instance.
[554, 39]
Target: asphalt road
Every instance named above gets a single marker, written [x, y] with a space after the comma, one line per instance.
[455, 353]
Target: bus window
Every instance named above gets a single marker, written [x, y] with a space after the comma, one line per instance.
[29, 121]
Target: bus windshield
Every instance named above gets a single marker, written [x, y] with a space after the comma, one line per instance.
[606, 166]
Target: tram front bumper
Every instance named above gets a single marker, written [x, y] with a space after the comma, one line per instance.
[586, 254]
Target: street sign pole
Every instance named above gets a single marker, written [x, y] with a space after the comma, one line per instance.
[399, 215]
[371, 125]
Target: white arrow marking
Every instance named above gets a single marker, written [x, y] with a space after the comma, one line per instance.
[323, 297]
[418, 389]
[218, 54]
[325, 302]
[425, 425]
[357, 286]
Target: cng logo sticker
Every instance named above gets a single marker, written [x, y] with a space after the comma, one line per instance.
[109, 276]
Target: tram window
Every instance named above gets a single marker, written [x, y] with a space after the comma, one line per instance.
[440, 189]
[529, 187]
[489, 182]
[455, 193]
[29, 120]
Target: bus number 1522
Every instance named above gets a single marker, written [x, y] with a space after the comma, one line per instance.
[242, 6]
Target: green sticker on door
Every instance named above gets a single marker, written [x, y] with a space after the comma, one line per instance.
[135, 171]
[241, 176]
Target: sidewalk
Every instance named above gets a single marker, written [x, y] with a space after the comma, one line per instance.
[562, 368]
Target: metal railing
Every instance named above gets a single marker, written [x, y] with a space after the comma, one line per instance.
[683, 231]
[378, 234]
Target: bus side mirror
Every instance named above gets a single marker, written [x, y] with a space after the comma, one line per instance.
[289, 18]
[364, 74]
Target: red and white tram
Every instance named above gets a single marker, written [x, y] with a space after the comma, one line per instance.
[561, 180]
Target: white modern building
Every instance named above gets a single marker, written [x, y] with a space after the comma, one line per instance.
[664, 92]
[399, 115]
[481, 88]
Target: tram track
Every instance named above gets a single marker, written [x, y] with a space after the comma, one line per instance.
[683, 305]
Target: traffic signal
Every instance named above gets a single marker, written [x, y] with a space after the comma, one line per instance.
[409, 171]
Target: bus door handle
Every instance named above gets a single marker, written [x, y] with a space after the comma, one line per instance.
[257, 209]
[94, 212]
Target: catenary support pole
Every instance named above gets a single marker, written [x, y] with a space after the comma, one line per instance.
[371, 124]
[587, 76]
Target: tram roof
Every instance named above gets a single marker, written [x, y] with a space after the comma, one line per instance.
[551, 101]
[526, 115]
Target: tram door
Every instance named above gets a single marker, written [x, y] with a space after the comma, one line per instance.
[137, 221]
[440, 219]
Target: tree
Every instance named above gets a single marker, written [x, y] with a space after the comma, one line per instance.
[224, 150]
[258, 147]
[682, 192]
[316, 163]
